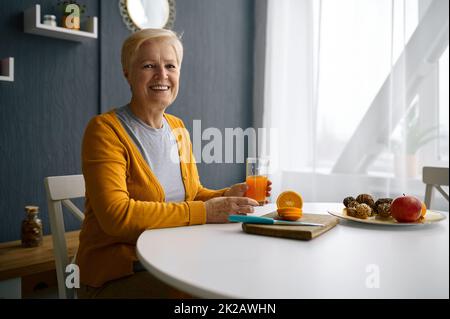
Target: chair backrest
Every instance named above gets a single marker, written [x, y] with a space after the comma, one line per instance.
[434, 178]
[60, 189]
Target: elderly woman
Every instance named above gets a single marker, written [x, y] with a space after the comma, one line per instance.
[133, 181]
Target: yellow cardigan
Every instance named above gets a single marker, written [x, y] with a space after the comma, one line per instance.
[124, 198]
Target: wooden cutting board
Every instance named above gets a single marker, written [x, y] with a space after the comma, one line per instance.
[295, 232]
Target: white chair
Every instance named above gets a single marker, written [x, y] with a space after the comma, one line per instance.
[60, 189]
[434, 177]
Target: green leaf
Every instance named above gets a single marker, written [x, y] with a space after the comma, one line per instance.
[416, 139]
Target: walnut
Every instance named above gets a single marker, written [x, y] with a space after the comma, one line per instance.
[352, 212]
[352, 204]
[384, 210]
[348, 200]
[365, 199]
[382, 201]
[363, 211]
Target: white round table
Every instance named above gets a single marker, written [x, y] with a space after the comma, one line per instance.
[352, 260]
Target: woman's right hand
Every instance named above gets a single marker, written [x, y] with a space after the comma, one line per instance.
[219, 208]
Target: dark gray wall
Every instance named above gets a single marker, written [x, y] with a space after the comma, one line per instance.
[43, 112]
[114, 88]
[217, 73]
[59, 85]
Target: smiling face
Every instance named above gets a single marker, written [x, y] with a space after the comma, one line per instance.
[154, 74]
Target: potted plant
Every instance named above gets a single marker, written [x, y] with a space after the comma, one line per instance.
[414, 138]
[417, 138]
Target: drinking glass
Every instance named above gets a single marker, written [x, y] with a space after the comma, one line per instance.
[256, 178]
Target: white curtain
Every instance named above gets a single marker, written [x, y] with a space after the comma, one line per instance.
[355, 96]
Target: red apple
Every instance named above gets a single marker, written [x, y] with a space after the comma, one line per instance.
[406, 209]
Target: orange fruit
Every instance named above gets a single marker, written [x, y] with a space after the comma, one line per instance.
[290, 218]
[290, 199]
[424, 210]
[289, 210]
[289, 213]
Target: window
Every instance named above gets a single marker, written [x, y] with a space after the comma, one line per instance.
[352, 86]
[443, 108]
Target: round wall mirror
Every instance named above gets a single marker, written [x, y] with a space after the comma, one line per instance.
[143, 14]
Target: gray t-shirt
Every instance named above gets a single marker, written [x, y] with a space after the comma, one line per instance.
[159, 148]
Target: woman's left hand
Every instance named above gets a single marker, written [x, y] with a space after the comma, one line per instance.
[238, 190]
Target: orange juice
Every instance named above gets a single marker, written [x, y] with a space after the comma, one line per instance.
[257, 188]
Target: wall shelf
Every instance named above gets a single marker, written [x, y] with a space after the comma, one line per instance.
[32, 24]
[7, 69]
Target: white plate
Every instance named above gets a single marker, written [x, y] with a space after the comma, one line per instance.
[430, 217]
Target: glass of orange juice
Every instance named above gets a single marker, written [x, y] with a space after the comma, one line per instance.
[257, 169]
